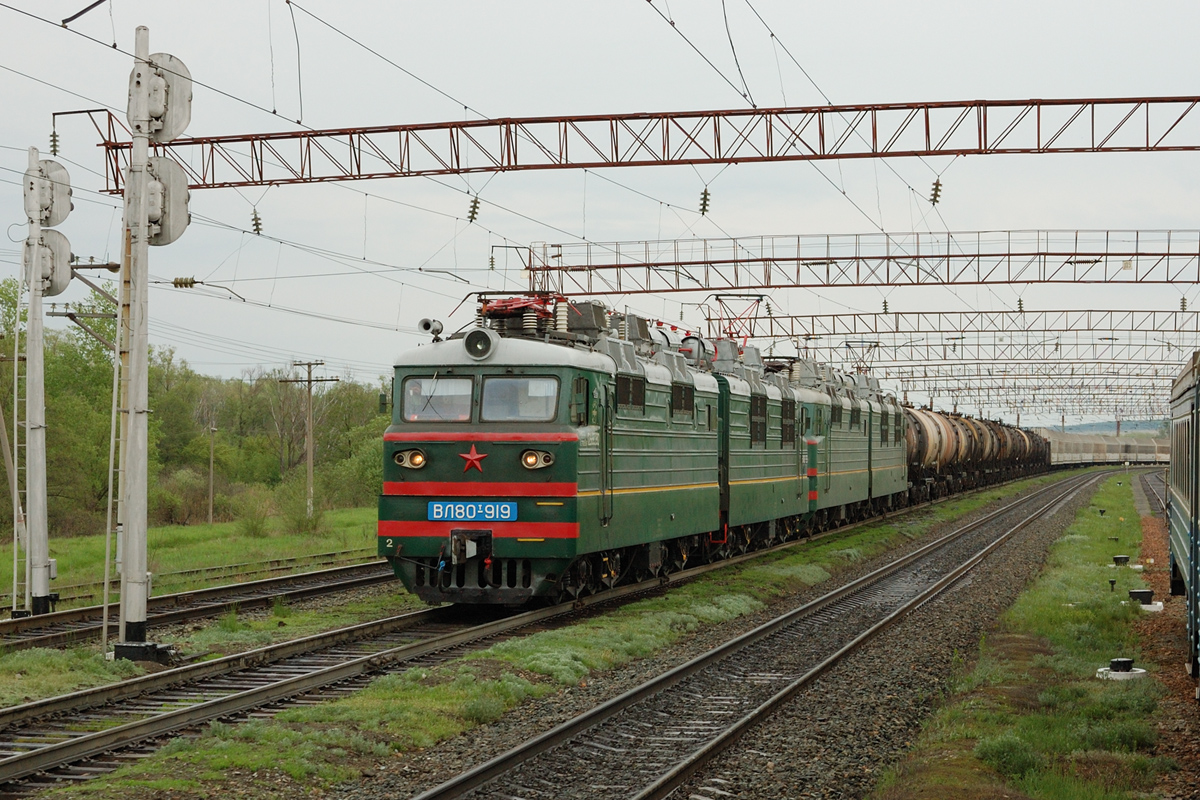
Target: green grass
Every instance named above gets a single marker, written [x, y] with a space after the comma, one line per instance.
[27, 675]
[1031, 715]
[185, 547]
[316, 746]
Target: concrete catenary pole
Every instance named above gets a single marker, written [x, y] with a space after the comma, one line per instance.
[134, 583]
[36, 520]
[160, 96]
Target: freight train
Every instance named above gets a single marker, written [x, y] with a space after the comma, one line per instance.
[1183, 495]
[556, 448]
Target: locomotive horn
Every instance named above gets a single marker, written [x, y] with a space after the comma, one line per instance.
[431, 326]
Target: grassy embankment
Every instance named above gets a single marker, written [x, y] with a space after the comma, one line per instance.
[33, 674]
[174, 549]
[317, 746]
[1031, 719]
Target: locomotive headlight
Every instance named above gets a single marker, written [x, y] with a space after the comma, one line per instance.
[479, 343]
[536, 459]
[413, 459]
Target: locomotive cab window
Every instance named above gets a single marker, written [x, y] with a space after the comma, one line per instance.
[519, 399]
[436, 399]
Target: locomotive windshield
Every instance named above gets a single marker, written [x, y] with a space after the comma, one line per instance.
[520, 399]
[437, 399]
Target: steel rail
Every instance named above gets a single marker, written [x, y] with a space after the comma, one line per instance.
[481, 774]
[673, 779]
[1149, 479]
[194, 604]
[93, 697]
[266, 567]
[19, 766]
[69, 751]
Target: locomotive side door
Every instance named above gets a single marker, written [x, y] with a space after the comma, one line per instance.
[724, 409]
[607, 409]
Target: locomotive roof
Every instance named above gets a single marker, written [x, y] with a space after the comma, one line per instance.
[510, 351]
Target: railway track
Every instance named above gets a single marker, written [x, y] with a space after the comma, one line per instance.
[240, 572]
[1155, 484]
[93, 731]
[80, 624]
[649, 741]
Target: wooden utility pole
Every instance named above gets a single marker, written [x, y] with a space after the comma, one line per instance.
[212, 432]
[308, 420]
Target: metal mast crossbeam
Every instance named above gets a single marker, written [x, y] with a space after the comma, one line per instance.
[756, 263]
[960, 323]
[1063, 352]
[736, 136]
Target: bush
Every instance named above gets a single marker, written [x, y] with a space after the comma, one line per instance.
[253, 507]
[291, 500]
[180, 499]
[1009, 755]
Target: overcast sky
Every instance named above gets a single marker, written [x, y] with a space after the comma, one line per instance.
[356, 303]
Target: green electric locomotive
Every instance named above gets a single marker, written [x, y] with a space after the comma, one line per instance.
[557, 448]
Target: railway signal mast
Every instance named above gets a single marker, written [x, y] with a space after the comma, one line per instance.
[47, 262]
[156, 198]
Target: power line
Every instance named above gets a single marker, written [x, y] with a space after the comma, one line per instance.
[736, 63]
[112, 48]
[59, 88]
[675, 28]
[384, 58]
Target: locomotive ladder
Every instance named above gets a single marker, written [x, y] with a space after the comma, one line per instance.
[15, 459]
[118, 431]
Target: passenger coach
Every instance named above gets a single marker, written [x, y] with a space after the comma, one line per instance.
[1183, 495]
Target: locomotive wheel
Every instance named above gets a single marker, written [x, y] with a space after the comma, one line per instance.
[680, 552]
[742, 541]
[576, 581]
[608, 568]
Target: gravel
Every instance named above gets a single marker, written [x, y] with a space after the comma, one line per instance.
[832, 741]
[836, 739]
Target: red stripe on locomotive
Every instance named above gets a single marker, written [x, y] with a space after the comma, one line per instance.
[500, 530]
[466, 436]
[476, 489]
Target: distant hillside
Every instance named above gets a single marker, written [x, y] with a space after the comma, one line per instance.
[1136, 427]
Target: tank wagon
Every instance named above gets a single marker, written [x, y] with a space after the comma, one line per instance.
[1183, 496]
[951, 452]
[555, 448]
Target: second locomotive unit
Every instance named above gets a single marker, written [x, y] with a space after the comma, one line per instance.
[557, 448]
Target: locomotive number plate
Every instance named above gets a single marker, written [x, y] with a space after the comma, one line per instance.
[474, 511]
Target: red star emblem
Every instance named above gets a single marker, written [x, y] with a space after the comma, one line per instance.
[473, 459]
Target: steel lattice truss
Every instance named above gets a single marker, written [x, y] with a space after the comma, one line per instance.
[695, 137]
[1107, 388]
[871, 259]
[1117, 323]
